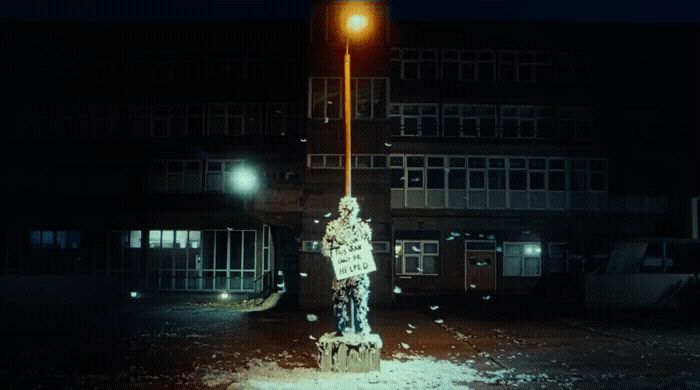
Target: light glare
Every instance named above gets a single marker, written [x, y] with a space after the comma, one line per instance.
[244, 180]
[357, 23]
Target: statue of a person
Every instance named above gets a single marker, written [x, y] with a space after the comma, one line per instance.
[352, 292]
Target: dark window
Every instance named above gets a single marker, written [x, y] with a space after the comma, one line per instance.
[397, 178]
[436, 179]
[415, 179]
[518, 180]
[476, 180]
[497, 179]
[557, 181]
[451, 127]
[456, 179]
[537, 180]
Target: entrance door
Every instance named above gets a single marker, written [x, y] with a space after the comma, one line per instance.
[480, 266]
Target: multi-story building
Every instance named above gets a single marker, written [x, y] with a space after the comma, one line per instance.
[482, 152]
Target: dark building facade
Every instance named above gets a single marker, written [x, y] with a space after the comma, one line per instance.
[209, 157]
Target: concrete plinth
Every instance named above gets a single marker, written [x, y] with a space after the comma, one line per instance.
[349, 353]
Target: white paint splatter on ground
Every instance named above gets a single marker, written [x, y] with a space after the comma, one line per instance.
[414, 373]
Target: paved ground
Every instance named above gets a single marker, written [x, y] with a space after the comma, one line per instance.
[139, 345]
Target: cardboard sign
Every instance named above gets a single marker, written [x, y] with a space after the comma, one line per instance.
[352, 260]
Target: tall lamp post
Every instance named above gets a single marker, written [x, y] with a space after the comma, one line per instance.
[355, 24]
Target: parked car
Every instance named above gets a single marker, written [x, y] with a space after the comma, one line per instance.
[653, 273]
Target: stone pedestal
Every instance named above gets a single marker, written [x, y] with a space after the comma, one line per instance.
[349, 353]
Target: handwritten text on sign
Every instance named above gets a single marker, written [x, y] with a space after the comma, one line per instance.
[352, 260]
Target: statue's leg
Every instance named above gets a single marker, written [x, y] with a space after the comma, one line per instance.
[340, 303]
[361, 303]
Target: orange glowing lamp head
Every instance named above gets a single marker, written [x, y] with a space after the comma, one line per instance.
[356, 23]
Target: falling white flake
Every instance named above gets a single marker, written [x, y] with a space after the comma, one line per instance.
[280, 285]
[467, 234]
[229, 229]
[311, 317]
[439, 321]
[481, 236]
[455, 234]
[450, 238]
[486, 297]
[368, 220]
[328, 215]
[491, 237]
[499, 249]
[472, 286]
[397, 290]
[312, 337]
[388, 145]
[415, 249]
[409, 331]
[325, 120]
[303, 274]
[433, 308]
[316, 221]
[415, 179]
[419, 269]
[302, 140]
[411, 326]
[405, 346]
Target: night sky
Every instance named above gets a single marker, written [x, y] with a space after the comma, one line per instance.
[604, 11]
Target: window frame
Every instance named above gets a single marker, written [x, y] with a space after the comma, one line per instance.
[421, 255]
[522, 257]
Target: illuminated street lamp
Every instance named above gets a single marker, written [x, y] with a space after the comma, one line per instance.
[355, 24]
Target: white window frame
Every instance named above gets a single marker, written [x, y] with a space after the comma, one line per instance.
[340, 158]
[326, 80]
[419, 118]
[539, 115]
[356, 102]
[462, 116]
[182, 176]
[522, 257]
[224, 169]
[421, 58]
[420, 255]
[517, 62]
[579, 118]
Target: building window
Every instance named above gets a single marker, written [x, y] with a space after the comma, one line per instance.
[406, 119]
[218, 175]
[526, 122]
[460, 120]
[54, 239]
[414, 64]
[177, 176]
[337, 161]
[267, 248]
[233, 119]
[324, 97]
[598, 177]
[381, 247]
[282, 119]
[416, 257]
[576, 123]
[478, 182]
[311, 246]
[131, 239]
[524, 66]
[522, 259]
[468, 65]
[369, 97]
